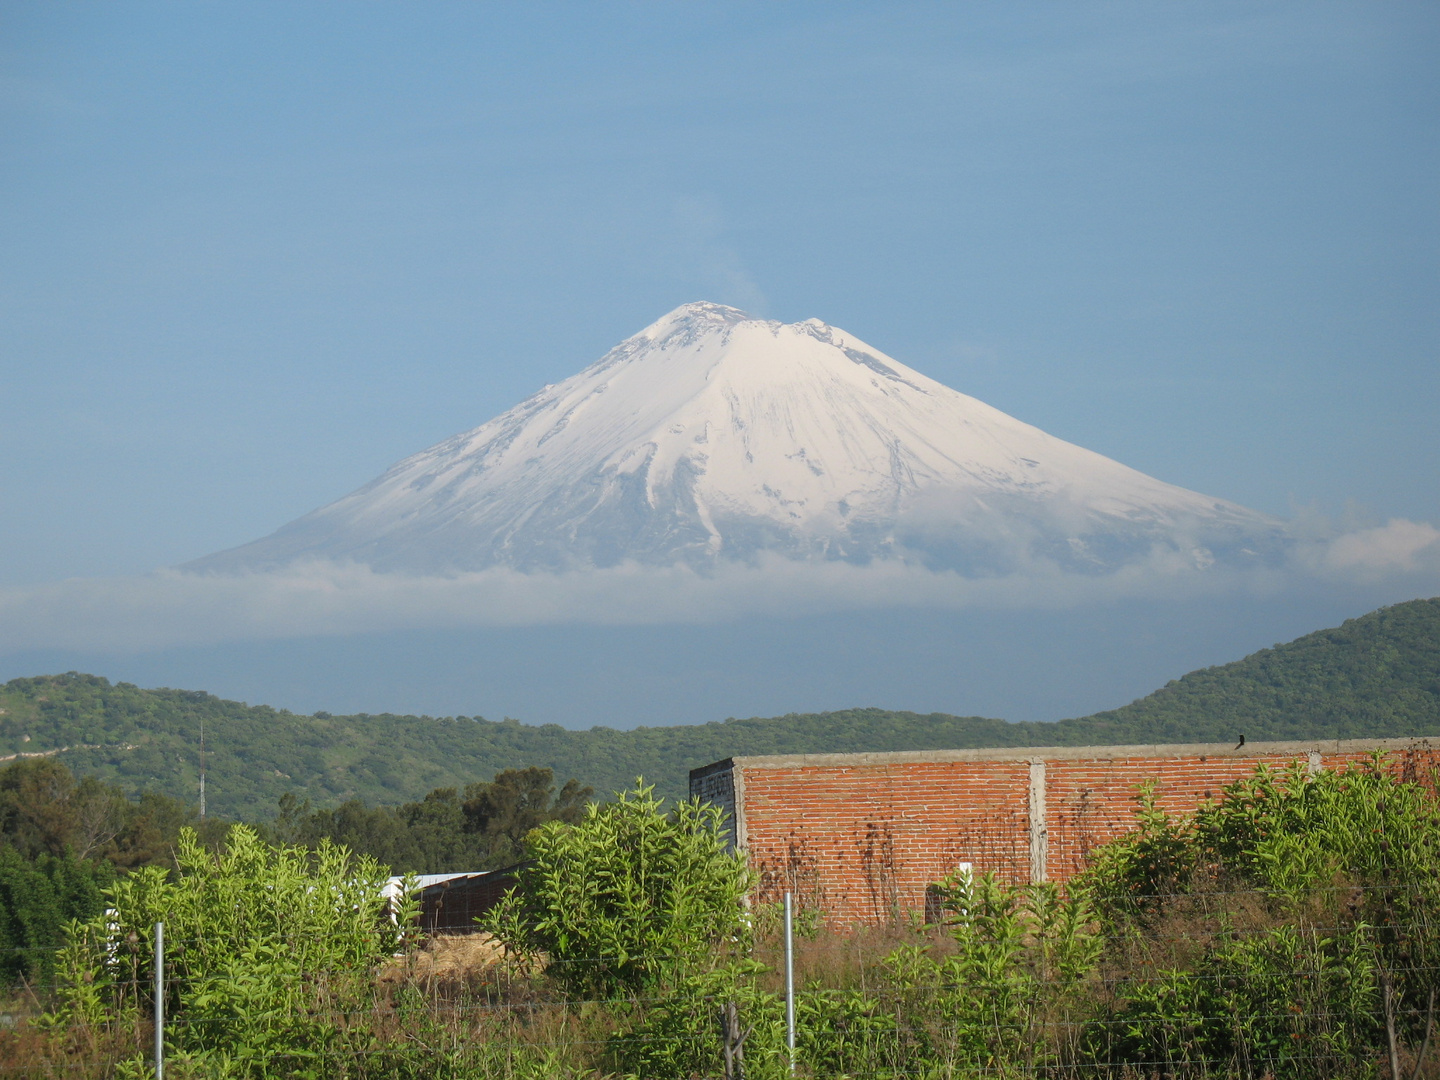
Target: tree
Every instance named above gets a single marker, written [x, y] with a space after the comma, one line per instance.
[441, 833]
[38, 897]
[44, 810]
[268, 951]
[504, 811]
[628, 897]
[36, 810]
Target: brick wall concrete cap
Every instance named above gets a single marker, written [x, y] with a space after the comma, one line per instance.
[1066, 753]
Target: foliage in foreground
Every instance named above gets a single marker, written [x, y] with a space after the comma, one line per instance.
[976, 996]
[1291, 929]
[270, 953]
[628, 899]
[1287, 931]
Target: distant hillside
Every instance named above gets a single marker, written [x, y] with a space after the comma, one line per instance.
[1378, 675]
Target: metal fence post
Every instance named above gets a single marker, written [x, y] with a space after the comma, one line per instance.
[159, 1001]
[790, 979]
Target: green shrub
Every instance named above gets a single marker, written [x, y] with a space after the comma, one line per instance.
[1286, 1003]
[1261, 932]
[680, 1034]
[628, 899]
[1022, 952]
[847, 1033]
[270, 953]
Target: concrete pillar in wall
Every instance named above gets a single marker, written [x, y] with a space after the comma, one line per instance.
[1039, 832]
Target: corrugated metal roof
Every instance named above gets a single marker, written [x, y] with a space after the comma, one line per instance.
[392, 887]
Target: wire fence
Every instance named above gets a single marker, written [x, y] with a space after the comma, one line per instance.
[1253, 988]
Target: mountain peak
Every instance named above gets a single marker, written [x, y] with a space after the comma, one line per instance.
[714, 437]
[693, 319]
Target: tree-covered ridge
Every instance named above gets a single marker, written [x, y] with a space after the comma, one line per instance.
[1374, 676]
[1377, 676]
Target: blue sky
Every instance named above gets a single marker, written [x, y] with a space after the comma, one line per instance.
[250, 255]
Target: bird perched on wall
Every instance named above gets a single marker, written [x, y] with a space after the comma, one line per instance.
[1240, 743]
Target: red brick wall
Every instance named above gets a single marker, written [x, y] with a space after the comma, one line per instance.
[861, 836]
[1092, 802]
[862, 843]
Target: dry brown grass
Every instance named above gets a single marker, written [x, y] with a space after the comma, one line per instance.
[28, 1051]
[844, 959]
[447, 958]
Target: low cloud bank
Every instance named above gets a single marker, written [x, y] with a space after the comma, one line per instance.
[173, 607]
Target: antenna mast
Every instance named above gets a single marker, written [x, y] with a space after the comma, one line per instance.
[202, 768]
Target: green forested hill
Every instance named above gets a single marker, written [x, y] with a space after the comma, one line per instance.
[1378, 675]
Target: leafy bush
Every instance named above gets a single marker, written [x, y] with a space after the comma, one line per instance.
[628, 898]
[1021, 954]
[1282, 929]
[680, 1034]
[847, 1033]
[1286, 1002]
[268, 952]
[1133, 876]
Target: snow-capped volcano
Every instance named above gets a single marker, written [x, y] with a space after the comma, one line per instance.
[712, 437]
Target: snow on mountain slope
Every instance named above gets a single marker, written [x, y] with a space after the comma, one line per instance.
[714, 437]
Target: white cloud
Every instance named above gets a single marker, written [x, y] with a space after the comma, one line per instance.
[1398, 545]
[173, 607]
